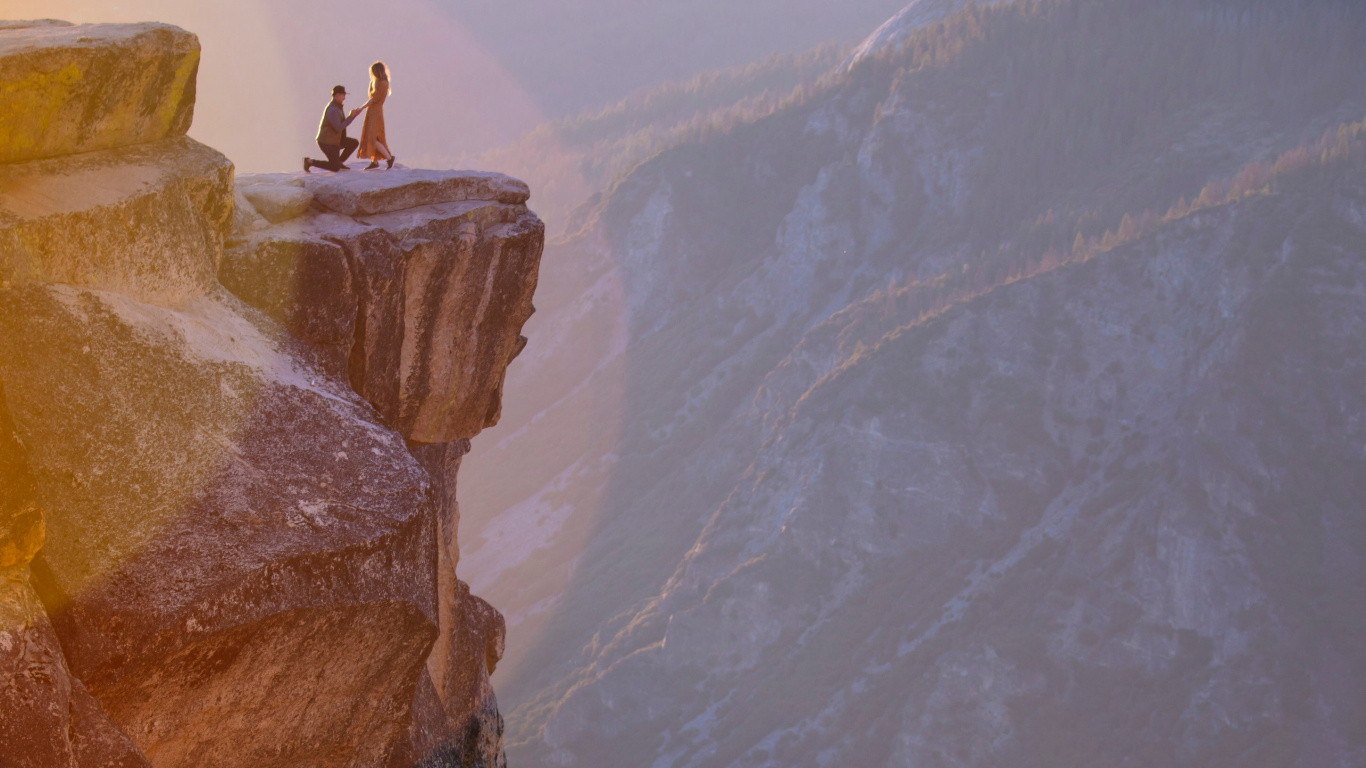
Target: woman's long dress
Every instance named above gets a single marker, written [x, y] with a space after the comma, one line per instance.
[373, 130]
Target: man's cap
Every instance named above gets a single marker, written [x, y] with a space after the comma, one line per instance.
[338, 89]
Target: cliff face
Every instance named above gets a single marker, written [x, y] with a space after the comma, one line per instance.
[228, 443]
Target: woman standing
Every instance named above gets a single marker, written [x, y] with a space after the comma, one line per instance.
[373, 145]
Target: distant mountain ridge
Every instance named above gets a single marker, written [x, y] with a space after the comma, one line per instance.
[912, 18]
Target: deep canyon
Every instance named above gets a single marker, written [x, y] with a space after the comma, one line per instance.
[992, 399]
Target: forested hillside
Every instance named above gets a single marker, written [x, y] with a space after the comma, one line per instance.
[990, 402]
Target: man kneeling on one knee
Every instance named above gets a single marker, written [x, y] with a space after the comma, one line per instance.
[332, 138]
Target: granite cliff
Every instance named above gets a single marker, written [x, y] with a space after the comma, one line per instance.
[232, 410]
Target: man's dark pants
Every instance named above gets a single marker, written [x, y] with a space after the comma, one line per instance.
[336, 156]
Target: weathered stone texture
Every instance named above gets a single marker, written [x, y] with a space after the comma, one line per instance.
[327, 686]
[439, 323]
[21, 519]
[46, 716]
[203, 479]
[68, 89]
[278, 202]
[303, 283]
[407, 188]
[147, 221]
[470, 638]
[438, 297]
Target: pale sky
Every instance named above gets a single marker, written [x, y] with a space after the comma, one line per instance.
[268, 69]
[468, 75]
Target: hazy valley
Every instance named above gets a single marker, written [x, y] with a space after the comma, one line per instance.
[992, 399]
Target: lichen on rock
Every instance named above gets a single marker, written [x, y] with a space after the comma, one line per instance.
[68, 89]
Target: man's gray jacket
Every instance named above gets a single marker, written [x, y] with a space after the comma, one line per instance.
[332, 129]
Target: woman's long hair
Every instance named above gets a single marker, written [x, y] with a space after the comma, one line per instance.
[380, 71]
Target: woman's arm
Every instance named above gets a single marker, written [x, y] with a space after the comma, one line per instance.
[380, 94]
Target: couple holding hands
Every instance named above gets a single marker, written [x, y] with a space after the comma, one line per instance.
[332, 139]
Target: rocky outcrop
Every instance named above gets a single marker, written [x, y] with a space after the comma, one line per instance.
[471, 635]
[277, 202]
[73, 89]
[213, 549]
[419, 307]
[147, 221]
[428, 299]
[202, 480]
[413, 188]
[49, 717]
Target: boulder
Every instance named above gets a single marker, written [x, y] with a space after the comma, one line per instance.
[278, 203]
[245, 219]
[67, 89]
[147, 221]
[48, 717]
[237, 698]
[230, 531]
[366, 194]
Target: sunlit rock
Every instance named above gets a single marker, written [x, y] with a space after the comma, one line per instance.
[46, 716]
[470, 641]
[303, 282]
[213, 549]
[368, 193]
[322, 686]
[441, 290]
[68, 89]
[278, 202]
[21, 519]
[146, 221]
[211, 494]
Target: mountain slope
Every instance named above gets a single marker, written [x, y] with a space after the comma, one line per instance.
[1047, 527]
[706, 387]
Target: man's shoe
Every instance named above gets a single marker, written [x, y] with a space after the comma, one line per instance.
[390, 164]
[308, 165]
